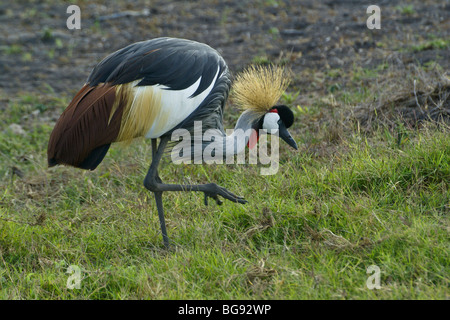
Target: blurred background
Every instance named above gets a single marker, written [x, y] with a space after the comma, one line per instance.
[326, 44]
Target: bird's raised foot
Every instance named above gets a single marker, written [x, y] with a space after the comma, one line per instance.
[216, 191]
[210, 190]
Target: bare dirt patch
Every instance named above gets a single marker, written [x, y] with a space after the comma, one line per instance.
[40, 56]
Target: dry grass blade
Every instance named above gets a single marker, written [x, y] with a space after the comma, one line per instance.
[265, 223]
[260, 271]
[411, 94]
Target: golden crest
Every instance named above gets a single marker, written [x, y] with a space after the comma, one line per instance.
[258, 88]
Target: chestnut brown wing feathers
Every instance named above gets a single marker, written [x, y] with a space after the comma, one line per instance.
[85, 130]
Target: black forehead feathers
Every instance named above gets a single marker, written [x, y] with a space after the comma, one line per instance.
[286, 115]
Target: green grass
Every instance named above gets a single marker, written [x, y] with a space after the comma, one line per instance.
[12, 49]
[406, 10]
[431, 45]
[262, 60]
[309, 232]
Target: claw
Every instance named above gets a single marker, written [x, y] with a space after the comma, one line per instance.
[214, 196]
[220, 191]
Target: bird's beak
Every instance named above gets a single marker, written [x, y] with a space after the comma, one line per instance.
[286, 136]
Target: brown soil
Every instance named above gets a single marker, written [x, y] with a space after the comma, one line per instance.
[39, 55]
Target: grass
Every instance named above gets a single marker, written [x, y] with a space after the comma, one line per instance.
[309, 232]
[431, 45]
[406, 10]
[262, 60]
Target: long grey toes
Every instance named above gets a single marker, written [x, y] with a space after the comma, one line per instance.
[230, 196]
[235, 198]
[213, 196]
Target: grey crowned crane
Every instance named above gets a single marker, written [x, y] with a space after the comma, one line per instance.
[154, 87]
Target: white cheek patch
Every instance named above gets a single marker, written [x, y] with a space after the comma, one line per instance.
[271, 121]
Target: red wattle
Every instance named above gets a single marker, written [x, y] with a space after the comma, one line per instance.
[253, 140]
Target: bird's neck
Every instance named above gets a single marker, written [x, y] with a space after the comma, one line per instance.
[243, 135]
[216, 145]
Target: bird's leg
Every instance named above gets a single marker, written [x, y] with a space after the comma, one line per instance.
[154, 149]
[162, 222]
[158, 194]
[153, 183]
